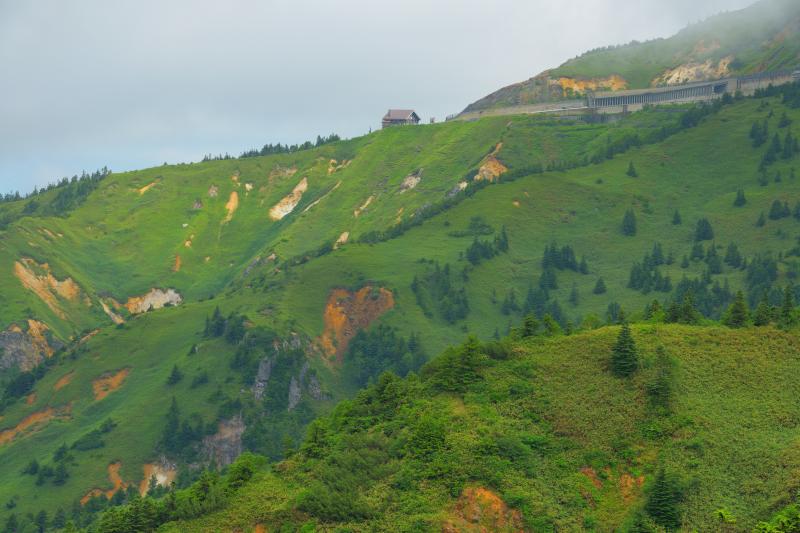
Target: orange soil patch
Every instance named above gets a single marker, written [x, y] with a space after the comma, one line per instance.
[363, 206]
[342, 239]
[613, 82]
[289, 202]
[32, 421]
[31, 398]
[176, 267]
[692, 71]
[38, 279]
[114, 478]
[153, 299]
[88, 336]
[36, 331]
[411, 181]
[147, 187]
[630, 486]
[231, 206]
[108, 383]
[164, 476]
[347, 312]
[281, 172]
[334, 167]
[115, 318]
[64, 380]
[48, 233]
[590, 473]
[259, 529]
[479, 510]
[491, 168]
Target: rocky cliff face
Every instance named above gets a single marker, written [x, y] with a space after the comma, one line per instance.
[25, 349]
[302, 380]
[224, 446]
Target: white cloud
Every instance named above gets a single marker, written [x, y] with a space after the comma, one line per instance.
[128, 83]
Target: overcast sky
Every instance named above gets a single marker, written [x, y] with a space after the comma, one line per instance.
[131, 84]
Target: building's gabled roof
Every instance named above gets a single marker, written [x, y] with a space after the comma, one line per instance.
[400, 114]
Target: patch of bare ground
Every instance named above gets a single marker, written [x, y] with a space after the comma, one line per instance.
[479, 510]
[39, 280]
[347, 312]
[116, 482]
[289, 202]
[33, 422]
[108, 383]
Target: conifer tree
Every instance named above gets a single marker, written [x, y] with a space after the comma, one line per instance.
[737, 314]
[632, 171]
[676, 218]
[659, 390]
[60, 519]
[548, 280]
[740, 199]
[733, 257]
[761, 220]
[175, 376]
[624, 357]
[529, 326]
[778, 210]
[787, 318]
[169, 437]
[599, 287]
[652, 310]
[763, 312]
[60, 474]
[583, 268]
[688, 310]
[788, 146]
[501, 242]
[703, 231]
[629, 223]
[573, 295]
[41, 521]
[551, 326]
[662, 502]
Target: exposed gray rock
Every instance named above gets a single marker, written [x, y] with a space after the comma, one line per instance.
[295, 393]
[20, 350]
[314, 387]
[262, 377]
[224, 446]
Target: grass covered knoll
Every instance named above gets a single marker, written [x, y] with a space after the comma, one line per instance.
[762, 37]
[551, 193]
[537, 433]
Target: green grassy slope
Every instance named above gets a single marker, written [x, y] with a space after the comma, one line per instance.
[696, 172]
[555, 436]
[120, 243]
[762, 37]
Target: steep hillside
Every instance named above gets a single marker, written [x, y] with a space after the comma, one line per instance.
[763, 37]
[393, 246]
[539, 435]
